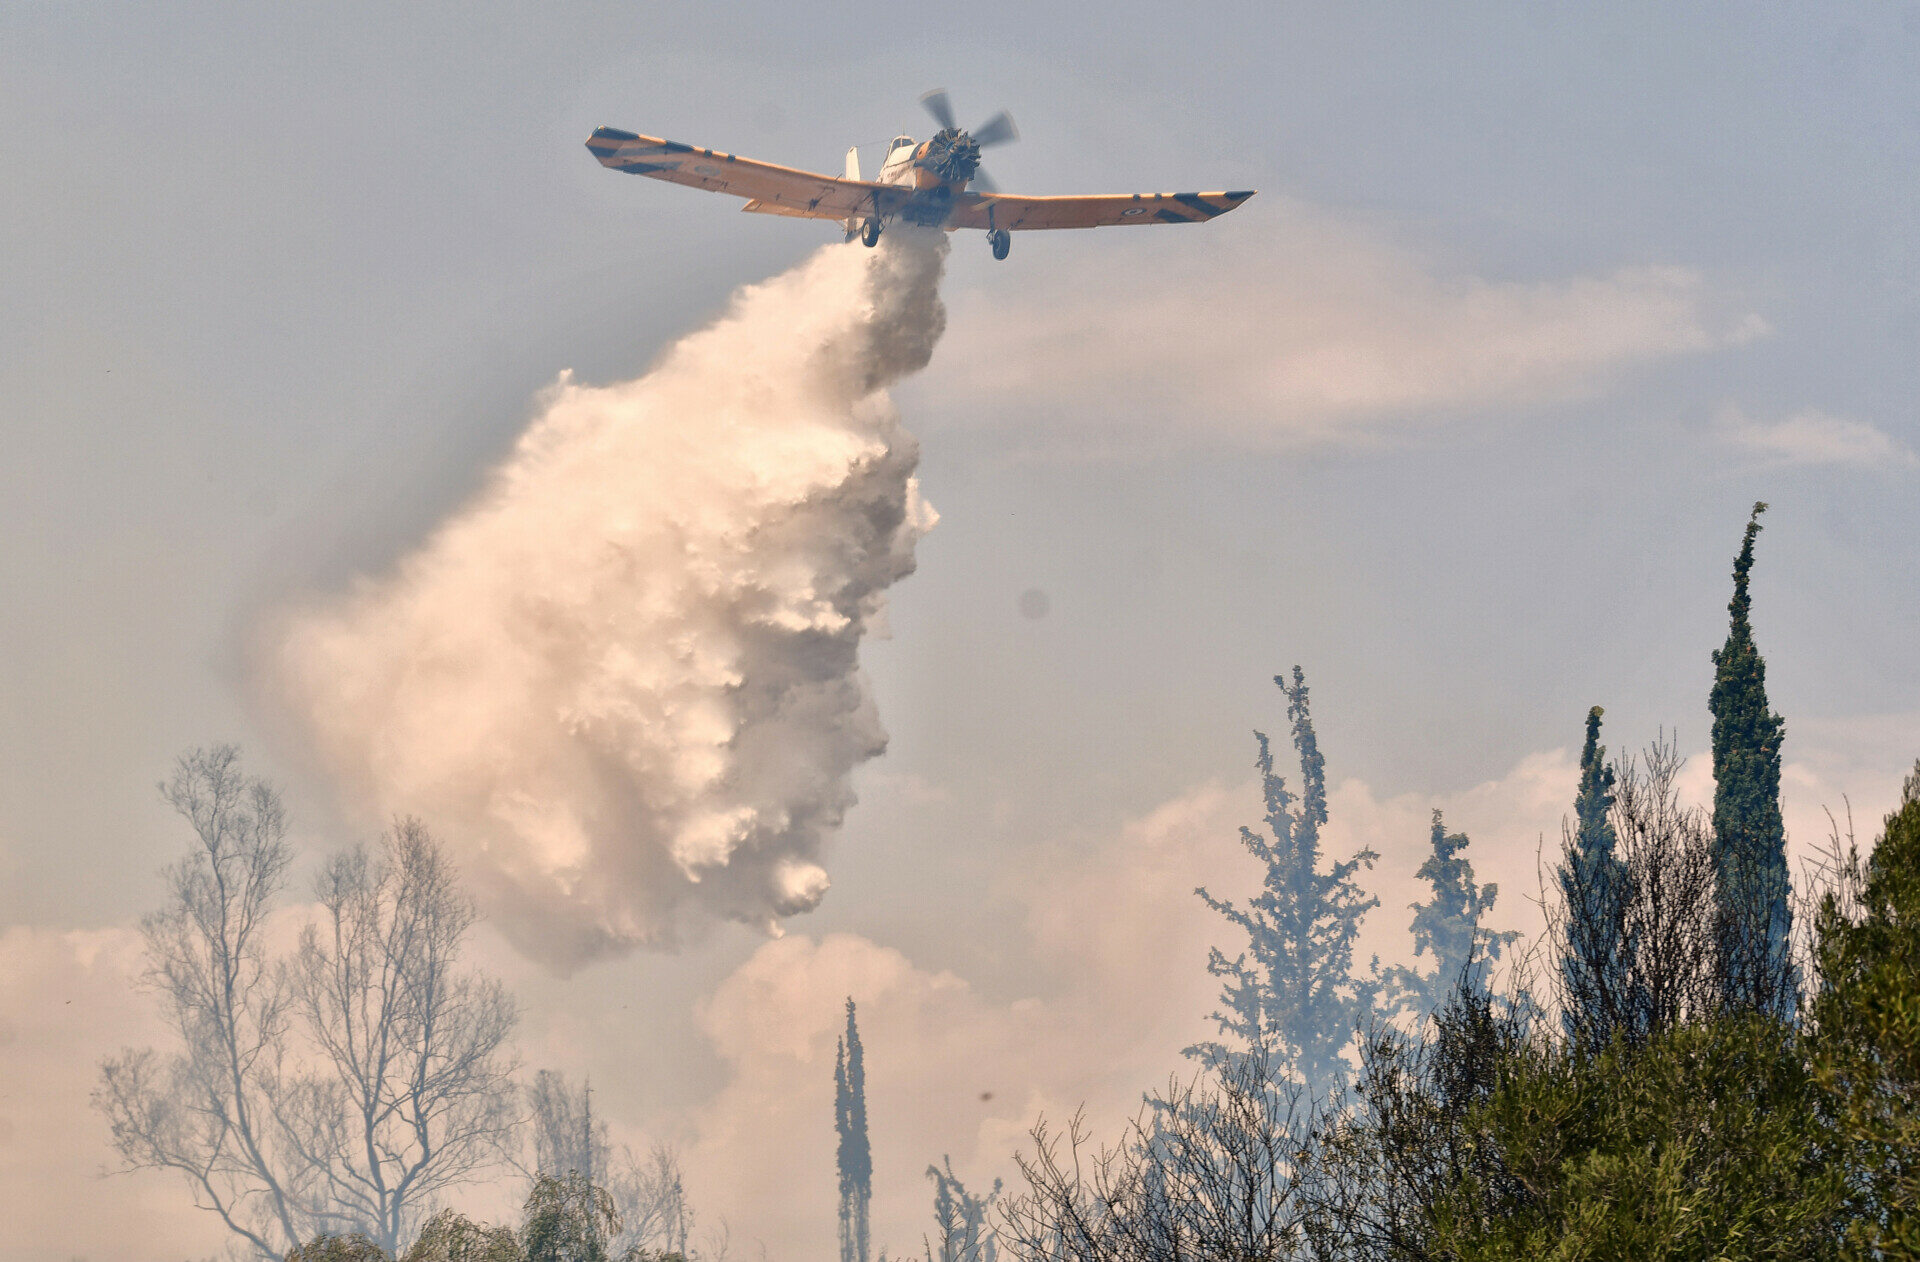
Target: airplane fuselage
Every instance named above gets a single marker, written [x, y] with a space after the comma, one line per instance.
[906, 166]
[902, 165]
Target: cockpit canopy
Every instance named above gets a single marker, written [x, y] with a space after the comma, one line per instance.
[900, 142]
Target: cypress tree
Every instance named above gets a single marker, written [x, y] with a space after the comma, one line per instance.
[1595, 798]
[854, 1156]
[1750, 858]
[587, 1170]
[1593, 883]
[1447, 927]
[1292, 994]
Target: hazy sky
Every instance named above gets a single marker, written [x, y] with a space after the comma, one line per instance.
[1463, 413]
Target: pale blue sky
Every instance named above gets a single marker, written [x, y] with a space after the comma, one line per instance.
[279, 288]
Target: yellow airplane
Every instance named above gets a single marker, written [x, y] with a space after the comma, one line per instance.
[921, 184]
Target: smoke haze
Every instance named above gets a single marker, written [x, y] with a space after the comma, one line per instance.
[622, 683]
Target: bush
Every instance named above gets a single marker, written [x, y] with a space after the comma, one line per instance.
[1866, 1029]
[1496, 1138]
[1705, 1142]
[348, 1248]
[568, 1219]
[452, 1237]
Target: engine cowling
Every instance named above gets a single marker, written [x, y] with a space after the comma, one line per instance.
[952, 155]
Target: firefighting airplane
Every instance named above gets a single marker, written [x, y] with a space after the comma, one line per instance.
[919, 184]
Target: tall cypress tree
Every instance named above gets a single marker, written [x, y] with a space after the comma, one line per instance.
[1593, 884]
[853, 1155]
[1750, 840]
[1293, 993]
[1447, 927]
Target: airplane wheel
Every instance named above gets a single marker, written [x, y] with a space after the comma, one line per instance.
[870, 234]
[1001, 240]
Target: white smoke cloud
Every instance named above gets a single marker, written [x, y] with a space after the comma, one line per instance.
[623, 682]
[1813, 437]
[1114, 985]
[1284, 326]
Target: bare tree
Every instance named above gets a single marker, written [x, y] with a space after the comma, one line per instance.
[717, 1244]
[647, 1192]
[653, 1202]
[1648, 958]
[566, 1137]
[1409, 1152]
[212, 1111]
[1217, 1169]
[961, 1218]
[336, 1092]
[412, 1094]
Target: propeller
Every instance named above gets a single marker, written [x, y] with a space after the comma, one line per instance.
[996, 130]
[941, 108]
[955, 154]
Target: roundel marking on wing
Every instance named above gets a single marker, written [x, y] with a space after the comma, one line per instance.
[1131, 211]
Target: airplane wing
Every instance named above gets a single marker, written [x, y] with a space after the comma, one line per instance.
[998, 210]
[769, 189]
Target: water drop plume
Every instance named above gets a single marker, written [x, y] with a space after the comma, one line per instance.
[622, 682]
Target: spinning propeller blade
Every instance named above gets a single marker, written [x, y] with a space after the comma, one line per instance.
[996, 130]
[938, 106]
[955, 154]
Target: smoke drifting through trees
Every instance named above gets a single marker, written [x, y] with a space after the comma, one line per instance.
[960, 1219]
[1448, 927]
[1212, 1169]
[342, 1089]
[647, 1193]
[566, 1136]
[624, 680]
[1678, 1097]
[1297, 999]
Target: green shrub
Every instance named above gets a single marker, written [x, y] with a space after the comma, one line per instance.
[1866, 1030]
[1706, 1142]
[452, 1237]
[348, 1248]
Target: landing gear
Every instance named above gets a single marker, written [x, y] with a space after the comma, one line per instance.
[870, 233]
[1001, 240]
